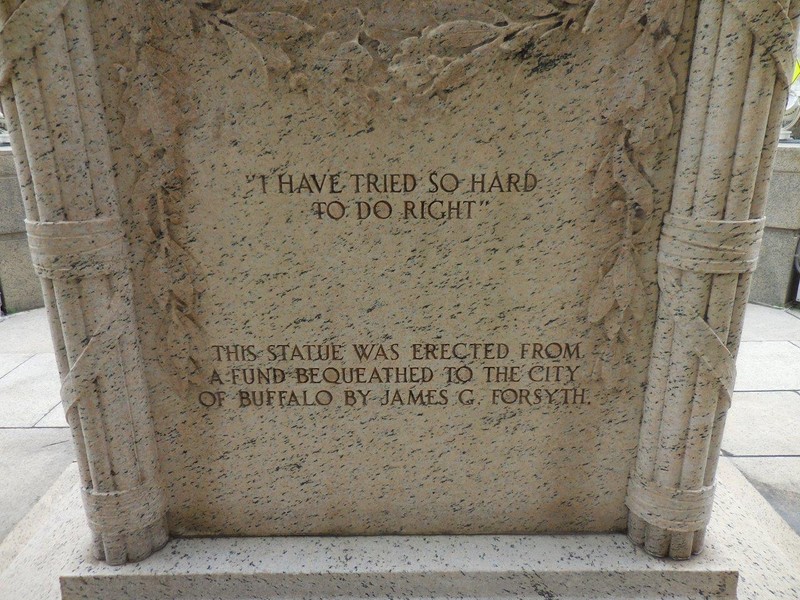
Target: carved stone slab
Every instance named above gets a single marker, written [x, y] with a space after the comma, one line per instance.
[361, 267]
[411, 308]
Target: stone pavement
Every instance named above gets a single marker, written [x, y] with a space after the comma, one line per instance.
[762, 436]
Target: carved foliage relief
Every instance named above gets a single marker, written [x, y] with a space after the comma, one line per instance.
[155, 115]
[358, 59]
[380, 52]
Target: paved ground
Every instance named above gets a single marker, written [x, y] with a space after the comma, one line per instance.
[762, 435]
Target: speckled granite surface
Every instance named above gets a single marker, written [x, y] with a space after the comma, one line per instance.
[746, 537]
[373, 267]
[429, 360]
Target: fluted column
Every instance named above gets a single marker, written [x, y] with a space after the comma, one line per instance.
[742, 58]
[52, 99]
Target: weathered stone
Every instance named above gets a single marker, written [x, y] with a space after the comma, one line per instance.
[396, 268]
[783, 208]
[773, 279]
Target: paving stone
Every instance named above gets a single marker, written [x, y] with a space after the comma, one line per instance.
[30, 459]
[29, 392]
[768, 324]
[10, 361]
[55, 418]
[778, 480]
[763, 366]
[763, 424]
[26, 332]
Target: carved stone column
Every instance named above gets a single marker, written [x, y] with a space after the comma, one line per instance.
[742, 60]
[51, 97]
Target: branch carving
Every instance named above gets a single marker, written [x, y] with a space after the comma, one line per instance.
[640, 118]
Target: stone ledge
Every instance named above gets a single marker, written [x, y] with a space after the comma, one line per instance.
[592, 566]
[745, 536]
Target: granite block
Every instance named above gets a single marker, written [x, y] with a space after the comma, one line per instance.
[387, 277]
[19, 285]
[774, 281]
[593, 566]
[783, 200]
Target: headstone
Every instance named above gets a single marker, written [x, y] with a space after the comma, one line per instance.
[377, 267]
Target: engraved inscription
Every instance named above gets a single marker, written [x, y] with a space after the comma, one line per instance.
[424, 374]
[375, 195]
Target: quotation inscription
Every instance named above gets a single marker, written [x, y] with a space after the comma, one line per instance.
[376, 195]
[465, 374]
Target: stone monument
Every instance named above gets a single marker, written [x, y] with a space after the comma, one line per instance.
[381, 267]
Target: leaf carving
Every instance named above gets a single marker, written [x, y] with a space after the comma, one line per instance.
[272, 26]
[604, 181]
[607, 368]
[636, 185]
[622, 275]
[540, 8]
[600, 11]
[613, 323]
[522, 42]
[452, 76]
[286, 6]
[275, 59]
[640, 116]
[637, 306]
[243, 49]
[159, 280]
[636, 10]
[351, 61]
[602, 300]
[662, 12]
[458, 36]
[155, 113]
[451, 10]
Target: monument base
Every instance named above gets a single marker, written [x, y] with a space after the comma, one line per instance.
[401, 567]
[748, 546]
